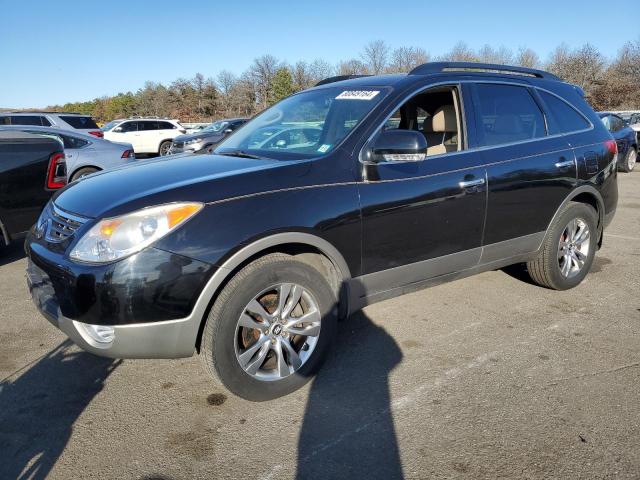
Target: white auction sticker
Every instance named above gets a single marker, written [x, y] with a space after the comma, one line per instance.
[357, 95]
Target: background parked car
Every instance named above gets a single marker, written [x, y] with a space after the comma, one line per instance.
[147, 135]
[84, 154]
[634, 122]
[64, 120]
[32, 167]
[625, 137]
[208, 138]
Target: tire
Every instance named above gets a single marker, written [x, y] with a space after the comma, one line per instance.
[224, 341]
[629, 161]
[164, 148]
[83, 172]
[547, 269]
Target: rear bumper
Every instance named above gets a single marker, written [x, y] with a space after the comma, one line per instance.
[164, 339]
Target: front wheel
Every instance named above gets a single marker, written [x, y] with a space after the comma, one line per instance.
[270, 329]
[164, 148]
[629, 161]
[568, 248]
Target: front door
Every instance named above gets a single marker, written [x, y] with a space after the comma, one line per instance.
[423, 219]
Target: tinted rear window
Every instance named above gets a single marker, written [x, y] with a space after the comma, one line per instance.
[507, 114]
[166, 126]
[79, 122]
[5, 120]
[562, 117]
[26, 120]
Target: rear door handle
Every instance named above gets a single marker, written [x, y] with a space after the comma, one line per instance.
[564, 164]
[471, 183]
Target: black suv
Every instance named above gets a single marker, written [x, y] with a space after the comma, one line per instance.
[381, 185]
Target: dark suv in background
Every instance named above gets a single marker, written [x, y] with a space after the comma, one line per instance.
[205, 140]
[249, 256]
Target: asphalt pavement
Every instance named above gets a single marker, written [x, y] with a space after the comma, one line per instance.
[486, 377]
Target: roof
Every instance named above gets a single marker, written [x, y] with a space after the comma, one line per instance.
[49, 130]
[32, 112]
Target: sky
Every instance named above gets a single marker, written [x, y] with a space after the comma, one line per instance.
[57, 51]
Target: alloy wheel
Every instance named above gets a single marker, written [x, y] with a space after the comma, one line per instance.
[573, 248]
[277, 332]
[631, 159]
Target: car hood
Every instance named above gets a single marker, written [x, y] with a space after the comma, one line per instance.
[199, 136]
[198, 178]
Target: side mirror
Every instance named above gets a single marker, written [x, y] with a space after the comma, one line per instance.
[399, 146]
[117, 129]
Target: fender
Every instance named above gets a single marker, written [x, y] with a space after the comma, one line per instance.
[574, 193]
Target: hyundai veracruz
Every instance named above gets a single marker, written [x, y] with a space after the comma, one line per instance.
[249, 256]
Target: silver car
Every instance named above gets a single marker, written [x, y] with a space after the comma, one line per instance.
[85, 154]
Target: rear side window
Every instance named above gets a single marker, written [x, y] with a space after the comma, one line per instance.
[77, 121]
[5, 120]
[26, 120]
[563, 118]
[507, 114]
[73, 142]
[166, 126]
[147, 125]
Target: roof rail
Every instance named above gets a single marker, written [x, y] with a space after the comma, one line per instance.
[338, 78]
[44, 111]
[473, 67]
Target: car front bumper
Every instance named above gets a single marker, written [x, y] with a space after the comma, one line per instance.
[145, 316]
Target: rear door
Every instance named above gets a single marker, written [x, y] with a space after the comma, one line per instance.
[529, 170]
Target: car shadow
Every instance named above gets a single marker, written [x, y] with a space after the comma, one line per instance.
[348, 427]
[38, 409]
[11, 253]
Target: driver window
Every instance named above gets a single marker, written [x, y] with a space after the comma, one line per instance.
[434, 113]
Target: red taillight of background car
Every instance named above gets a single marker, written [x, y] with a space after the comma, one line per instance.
[97, 133]
[612, 146]
[57, 172]
[128, 154]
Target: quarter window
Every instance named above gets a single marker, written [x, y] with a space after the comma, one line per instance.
[507, 114]
[165, 126]
[562, 117]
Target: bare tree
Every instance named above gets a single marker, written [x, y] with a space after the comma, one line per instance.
[583, 67]
[502, 55]
[527, 58]
[375, 56]
[352, 67]
[404, 59]
[261, 73]
[460, 53]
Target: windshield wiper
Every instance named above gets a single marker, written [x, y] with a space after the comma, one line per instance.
[240, 153]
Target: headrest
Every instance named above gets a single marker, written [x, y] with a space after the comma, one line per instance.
[443, 120]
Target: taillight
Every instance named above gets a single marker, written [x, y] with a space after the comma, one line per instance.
[97, 133]
[612, 146]
[128, 154]
[57, 172]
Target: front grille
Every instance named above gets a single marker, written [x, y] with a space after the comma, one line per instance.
[62, 225]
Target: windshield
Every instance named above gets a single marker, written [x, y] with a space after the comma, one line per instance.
[215, 127]
[110, 125]
[305, 125]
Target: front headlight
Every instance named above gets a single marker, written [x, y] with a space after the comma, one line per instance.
[191, 142]
[115, 238]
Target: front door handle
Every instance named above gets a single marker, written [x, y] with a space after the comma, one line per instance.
[564, 164]
[472, 183]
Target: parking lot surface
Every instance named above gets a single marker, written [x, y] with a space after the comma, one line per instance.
[485, 377]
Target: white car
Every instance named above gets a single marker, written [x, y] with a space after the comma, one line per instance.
[147, 135]
[84, 154]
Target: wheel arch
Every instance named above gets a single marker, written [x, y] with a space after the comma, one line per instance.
[77, 169]
[308, 248]
[588, 195]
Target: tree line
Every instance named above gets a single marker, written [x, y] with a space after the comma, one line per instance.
[609, 83]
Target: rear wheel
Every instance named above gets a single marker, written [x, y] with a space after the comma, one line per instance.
[164, 148]
[629, 161]
[568, 249]
[83, 172]
[270, 328]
